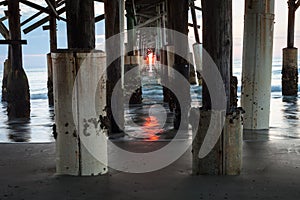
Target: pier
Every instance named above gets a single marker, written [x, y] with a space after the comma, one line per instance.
[99, 94]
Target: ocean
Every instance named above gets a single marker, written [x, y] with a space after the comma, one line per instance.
[284, 121]
[39, 128]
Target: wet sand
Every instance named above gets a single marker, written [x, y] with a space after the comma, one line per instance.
[271, 170]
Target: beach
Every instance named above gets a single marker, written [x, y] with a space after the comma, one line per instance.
[271, 164]
[271, 170]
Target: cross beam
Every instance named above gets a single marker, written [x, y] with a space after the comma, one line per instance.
[4, 31]
[297, 4]
[59, 3]
[41, 22]
[13, 42]
[52, 8]
[35, 6]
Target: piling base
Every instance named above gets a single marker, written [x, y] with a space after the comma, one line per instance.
[73, 153]
[18, 97]
[290, 72]
[4, 80]
[226, 156]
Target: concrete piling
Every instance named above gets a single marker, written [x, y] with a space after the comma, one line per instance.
[74, 156]
[290, 56]
[290, 72]
[233, 143]
[224, 144]
[225, 158]
[80, 102]
[257, 63]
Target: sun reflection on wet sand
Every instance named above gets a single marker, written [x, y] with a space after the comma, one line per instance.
[152, 126]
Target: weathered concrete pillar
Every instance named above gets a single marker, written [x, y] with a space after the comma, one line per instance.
[80, 96]
[226, 156]
[290, 72]
[18, 96]
[226, 149]
[257, 63]
[74, 152]
[233, 143]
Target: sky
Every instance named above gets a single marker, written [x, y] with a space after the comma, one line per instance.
[38, 40]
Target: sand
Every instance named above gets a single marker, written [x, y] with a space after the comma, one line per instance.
[271, 170]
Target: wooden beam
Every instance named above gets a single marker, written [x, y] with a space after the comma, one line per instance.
[35, 6]
[147, 7]
[130, 25]
[192, 25]
[144, 15]
[146, 2]
[291, 23]
[99, 18]
[59, 3]
[149, 21]
[217, 41]
[178, 22]
[13, 42]
[178, 12]
[52, 25]
[3, 3]
[41, 22]
[112, 27]
[52, 8]
[15, 33]
[46, 28]
[297, 4]
[197, 8]
[4, 31]
[6, 13]
[194, 17]
[36, 25]
[81, 24]
[31, 18]
[3, 18]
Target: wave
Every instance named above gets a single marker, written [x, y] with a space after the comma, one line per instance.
[41, 96]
